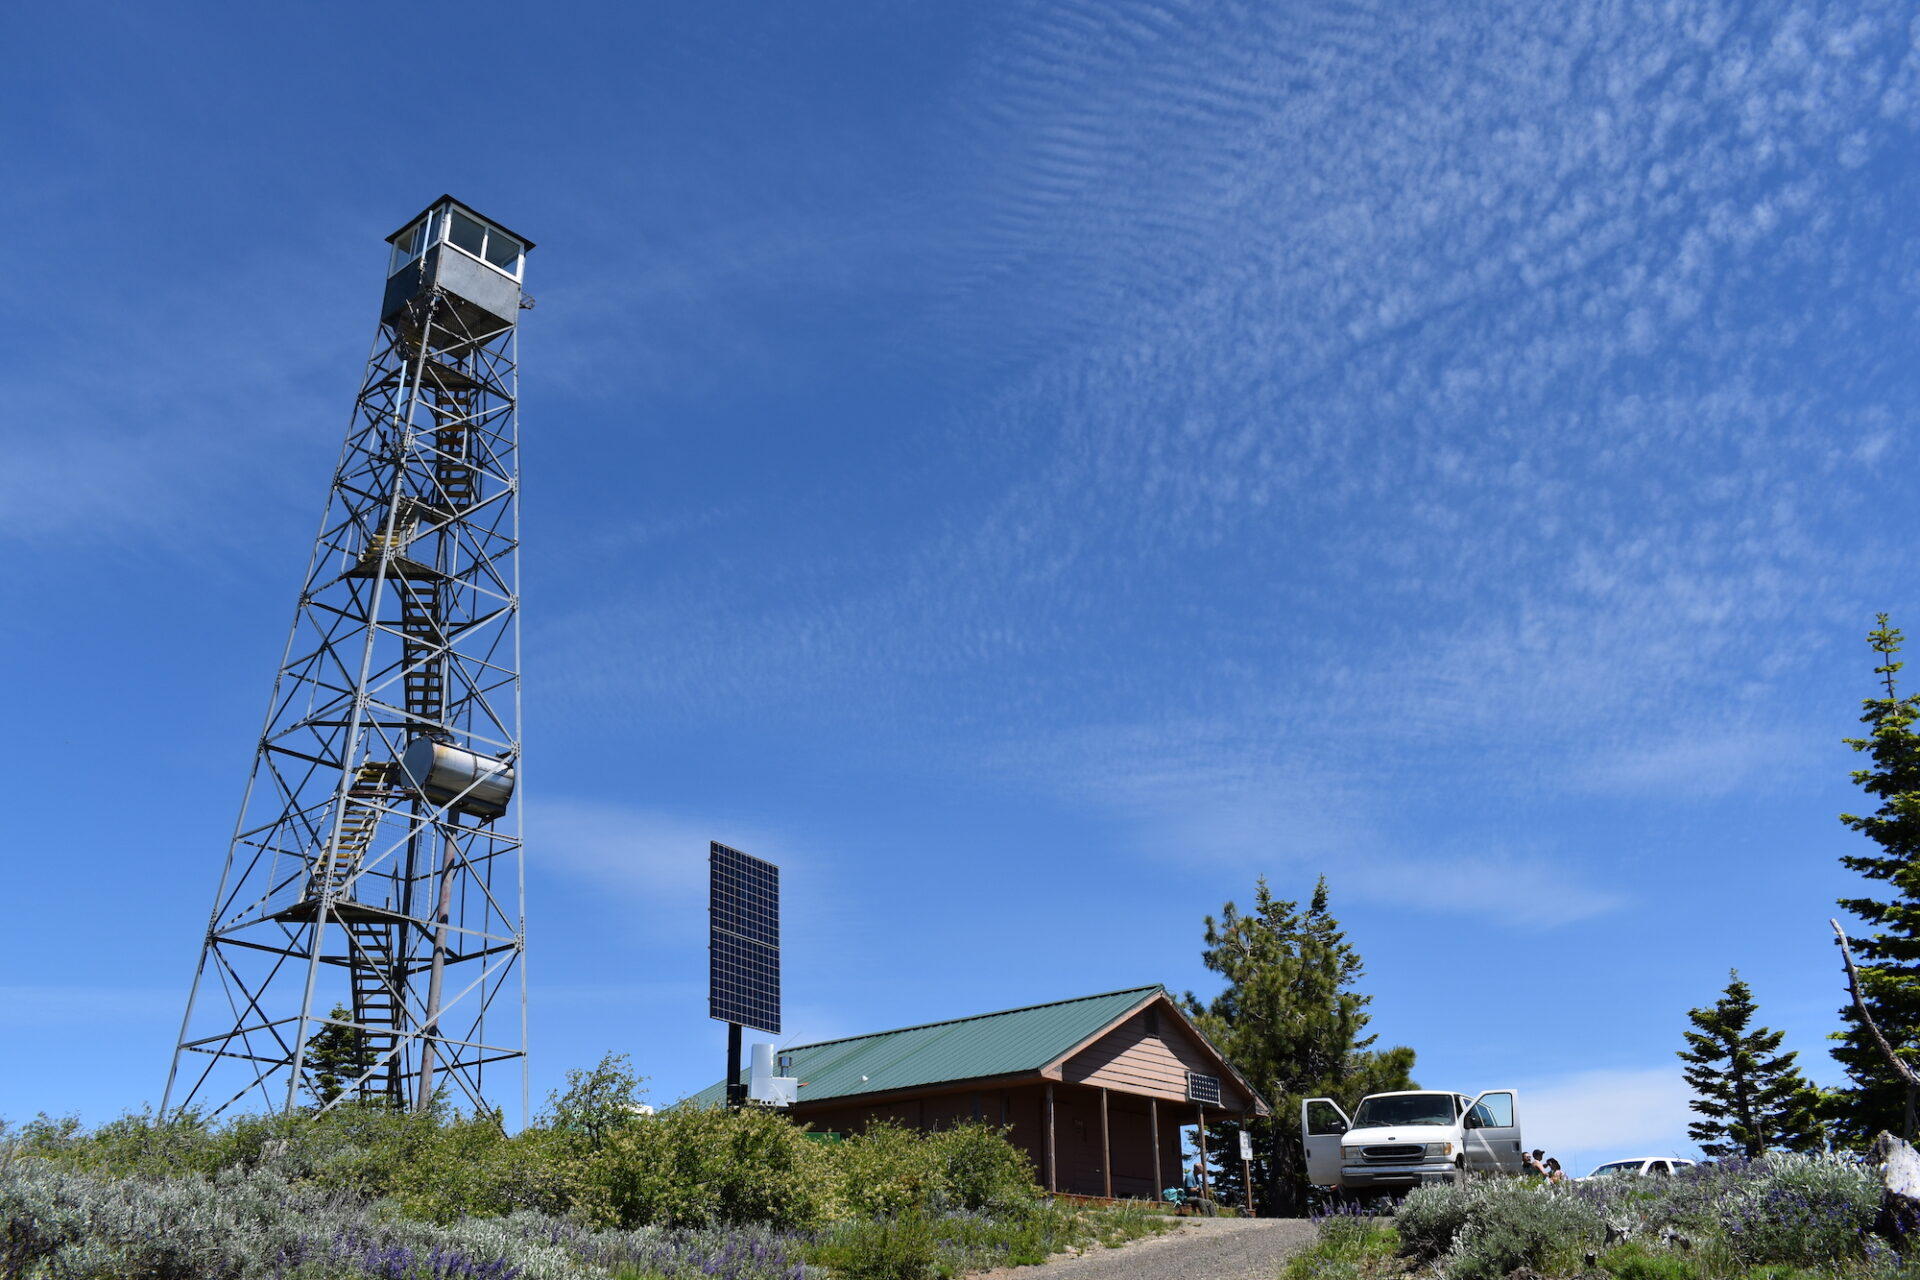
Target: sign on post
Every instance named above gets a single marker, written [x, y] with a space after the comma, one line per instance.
[1246, 1166]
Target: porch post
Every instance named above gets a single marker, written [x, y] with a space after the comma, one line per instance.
[1205, 1194]
[1106, 1147]
[1052, 1174]
[1153, 1132]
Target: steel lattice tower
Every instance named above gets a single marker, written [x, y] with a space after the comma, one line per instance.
[376, 865]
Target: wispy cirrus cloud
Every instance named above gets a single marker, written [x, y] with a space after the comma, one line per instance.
[1454, 373]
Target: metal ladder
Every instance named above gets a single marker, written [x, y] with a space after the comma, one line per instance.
[337, 867]
[370, 969]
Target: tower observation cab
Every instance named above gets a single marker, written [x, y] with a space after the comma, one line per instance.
[475, 262]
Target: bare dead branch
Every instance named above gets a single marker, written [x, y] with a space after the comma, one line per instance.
[1900, 1067]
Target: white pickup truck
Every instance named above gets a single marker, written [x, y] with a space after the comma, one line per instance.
[1400, 1140]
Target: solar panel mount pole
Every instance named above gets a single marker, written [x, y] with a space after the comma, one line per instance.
[736, 1092]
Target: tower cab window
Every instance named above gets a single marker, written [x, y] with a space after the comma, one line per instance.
[465, 232]
[503, 251]
[489, 244]
[408, 245]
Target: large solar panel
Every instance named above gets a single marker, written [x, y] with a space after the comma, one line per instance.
[744, 954]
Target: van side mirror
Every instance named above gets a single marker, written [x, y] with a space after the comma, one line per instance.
[1473, 1120]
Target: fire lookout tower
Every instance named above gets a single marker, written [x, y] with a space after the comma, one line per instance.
[373, 890]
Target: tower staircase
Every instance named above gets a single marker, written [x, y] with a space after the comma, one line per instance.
[423, 651]
[453, 470]
[333, 875]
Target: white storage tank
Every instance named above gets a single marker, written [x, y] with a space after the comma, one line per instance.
[441, 772]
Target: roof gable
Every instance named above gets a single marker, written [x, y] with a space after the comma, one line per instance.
[1150, 1052]
[1010, 1042]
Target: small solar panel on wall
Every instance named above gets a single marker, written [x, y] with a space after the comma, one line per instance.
[744, 953]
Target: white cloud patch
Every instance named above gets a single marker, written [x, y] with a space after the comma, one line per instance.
[1703, 765]
[1591, 1116]
[655, 863]
[1209, 795]
[1517, 890]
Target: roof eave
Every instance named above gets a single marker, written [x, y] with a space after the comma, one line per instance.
[527, 245]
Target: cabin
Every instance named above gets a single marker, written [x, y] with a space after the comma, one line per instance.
[1096, 1089]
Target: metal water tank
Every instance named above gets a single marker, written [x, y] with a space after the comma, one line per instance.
[441, 772]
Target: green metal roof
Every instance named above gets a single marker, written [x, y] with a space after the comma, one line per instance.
[991, 1044]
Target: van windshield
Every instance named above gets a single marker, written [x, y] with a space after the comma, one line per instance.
[1405, 1108]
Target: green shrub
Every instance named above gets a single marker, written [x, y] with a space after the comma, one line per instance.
[1519, 1224]
[887, 1171]
[1483, 1229]
[1348, 1248]
[697, 1167]
[895, 1248]
[977, 1168]
[1114, 1225]
[1020, 1238]
[963, 1241]
[471, 1168]
[1429, 1219]
[1797, 1210]
[596, 1104]
[1785, 1210]
[1632, 1261]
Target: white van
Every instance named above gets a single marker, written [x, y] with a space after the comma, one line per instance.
[1400, 1140]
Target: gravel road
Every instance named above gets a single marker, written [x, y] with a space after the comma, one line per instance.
[1202, 1249]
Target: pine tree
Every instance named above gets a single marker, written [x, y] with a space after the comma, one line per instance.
[1890, 954]
[1292, 1021]
[336, 1056]
[1752, 1096]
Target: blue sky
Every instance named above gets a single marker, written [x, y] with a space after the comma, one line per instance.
[1028, 469]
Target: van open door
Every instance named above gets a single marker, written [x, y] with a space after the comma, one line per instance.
[1321, 1124]
[1492, 1130]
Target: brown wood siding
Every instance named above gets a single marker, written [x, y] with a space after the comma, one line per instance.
[1129, 1059]
[1132, 1151]
[1026, 1113]
[1079, 1149]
